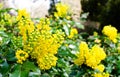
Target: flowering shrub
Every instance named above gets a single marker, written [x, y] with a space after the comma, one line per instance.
[52, 47]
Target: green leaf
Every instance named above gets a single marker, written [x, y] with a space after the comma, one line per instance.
[24, 73]
[4, 67]
[65, 27]
[24, 69]
[79, 25]
[30, 66]
[17, 72]
[36, 73]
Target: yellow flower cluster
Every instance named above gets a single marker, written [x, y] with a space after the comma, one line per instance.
[25, 24]
[47, 61]
[62, 10]
[22, 14]
[39, 41]
[90, 57]
[21, 56]
[44, 47]
[73, 32]
[111, 32]
[45, 22]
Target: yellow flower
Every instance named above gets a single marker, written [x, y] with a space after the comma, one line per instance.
[90, 57]
[98, 53]
[25, 24]
[111, 32]
[91, 61]
[39, 41]
[22, 14]
[73, 32]
[41, 44]
[21, 56]
[62, 10]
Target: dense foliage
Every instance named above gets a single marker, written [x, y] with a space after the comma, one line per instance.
[52, 47]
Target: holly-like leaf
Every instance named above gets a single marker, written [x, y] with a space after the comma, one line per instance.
[24, 69]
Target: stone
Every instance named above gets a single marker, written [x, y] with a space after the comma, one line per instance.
[36, 8]
[39, 8]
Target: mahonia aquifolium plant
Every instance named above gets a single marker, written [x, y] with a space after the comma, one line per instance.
[38, 41]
